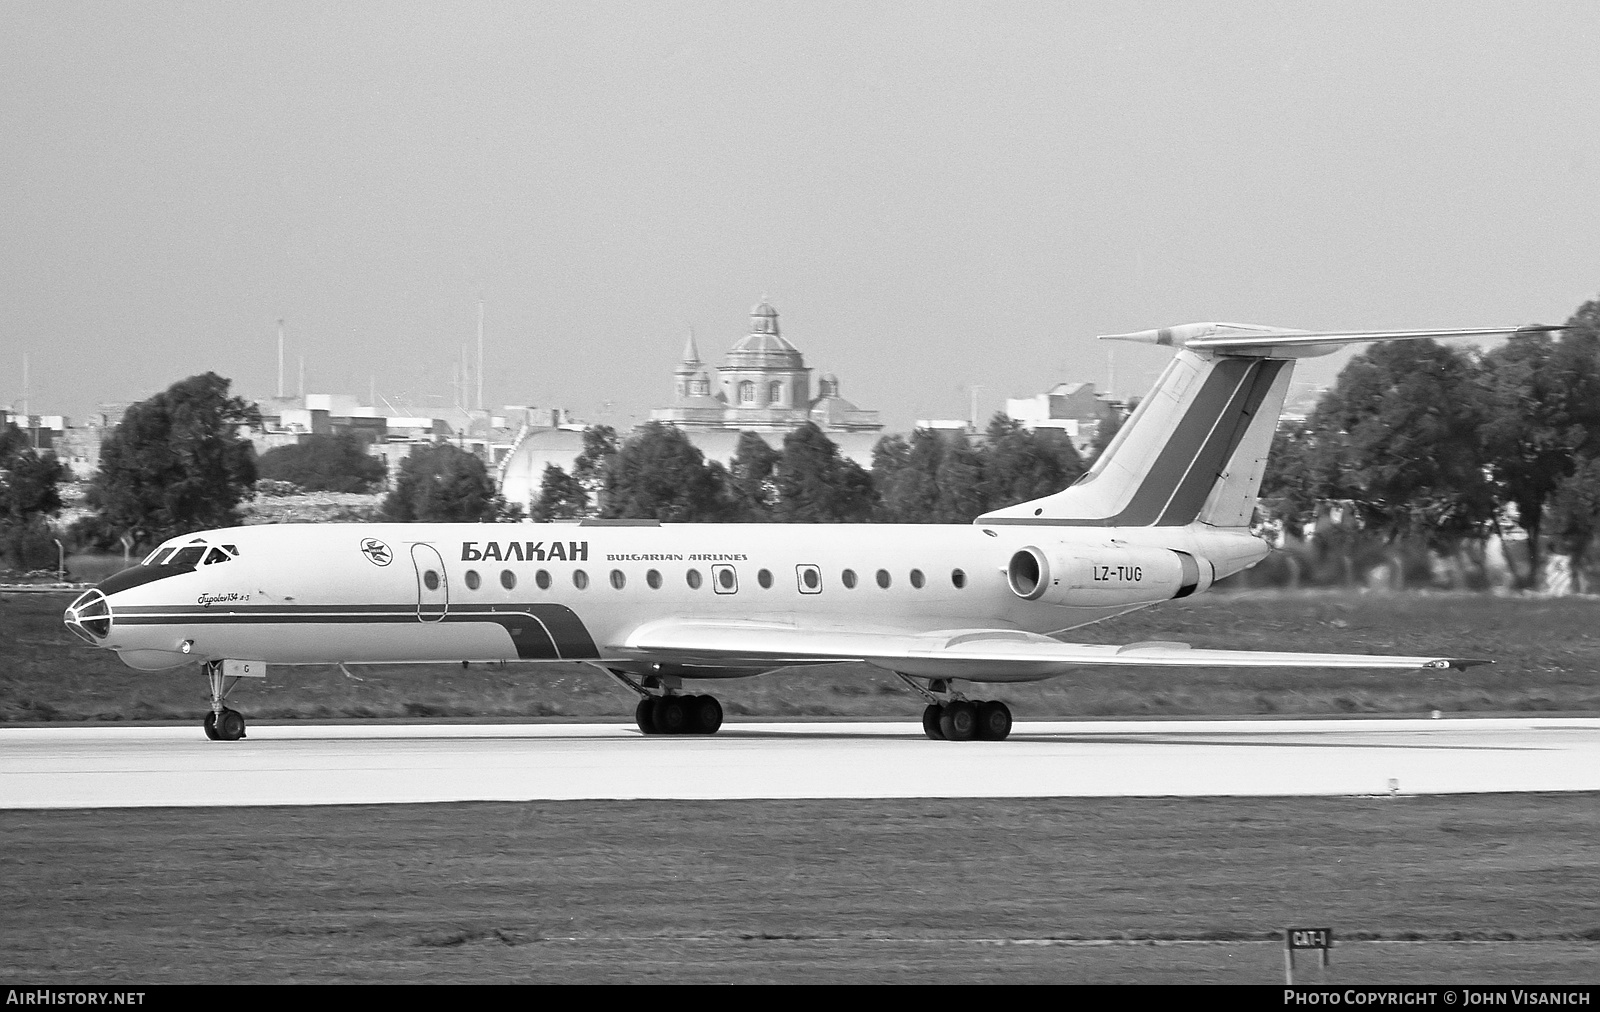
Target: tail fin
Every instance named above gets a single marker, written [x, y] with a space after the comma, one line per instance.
[1196, 447]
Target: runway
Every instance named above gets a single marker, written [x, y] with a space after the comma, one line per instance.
[298, 764]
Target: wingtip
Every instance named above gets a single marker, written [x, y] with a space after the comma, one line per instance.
[1456, 663]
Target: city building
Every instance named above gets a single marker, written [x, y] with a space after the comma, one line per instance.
[1072, 407]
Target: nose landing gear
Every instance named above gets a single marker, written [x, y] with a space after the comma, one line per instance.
[222, 723]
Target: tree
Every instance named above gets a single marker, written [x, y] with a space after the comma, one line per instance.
[750, 478]
[1107, 430]
[445, 484]
[324, 463]
[960, 481]
[816, 485]
[890, 457]
[659, 475]
[28, 480]
[906, 474]
[28, 495]
[1575, 515]
[176, 462]
[1019, 465]
[942, 481]
[561, 497]
[1543, 398]
[1301, 475]
[1403, 427]
[590, 467]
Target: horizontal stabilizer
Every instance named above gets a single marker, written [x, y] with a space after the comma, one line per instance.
[1276, 342]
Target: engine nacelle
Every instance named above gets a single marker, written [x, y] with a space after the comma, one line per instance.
[1106, 576]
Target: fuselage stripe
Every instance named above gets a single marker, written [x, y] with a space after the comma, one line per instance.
[539, 631]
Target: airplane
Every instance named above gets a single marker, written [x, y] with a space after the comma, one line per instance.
[1164, 513]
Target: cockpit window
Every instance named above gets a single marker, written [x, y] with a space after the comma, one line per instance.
[185, 558]
[196, 553]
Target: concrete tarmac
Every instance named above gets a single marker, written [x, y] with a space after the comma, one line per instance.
[299, 764]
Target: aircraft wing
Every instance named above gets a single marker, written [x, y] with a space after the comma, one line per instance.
[979, 654]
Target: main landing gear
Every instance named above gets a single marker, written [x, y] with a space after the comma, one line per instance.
[664, 709]
[678, 714]
[222, 723]
[949, 716]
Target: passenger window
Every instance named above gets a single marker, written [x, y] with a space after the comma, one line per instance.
[848, 578]
[618, 580]
[724, 580]
[653, 578]
[958, 578]
[542, 578]
[430, 579]
[508, 579]
[472, 579]
[916, 578]
[693, 577]
[883, 578]
[580, 579]
[765, 579]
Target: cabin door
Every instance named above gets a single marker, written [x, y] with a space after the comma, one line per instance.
[433, 593]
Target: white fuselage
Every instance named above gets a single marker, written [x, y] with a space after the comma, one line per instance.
[370, 593]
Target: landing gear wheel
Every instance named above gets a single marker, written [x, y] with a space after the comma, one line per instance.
[994, 721]
[930, 721]
[230, 726]
[959, 722]
[644, 715]
[671, 716]
[211, 726]
[705, 714]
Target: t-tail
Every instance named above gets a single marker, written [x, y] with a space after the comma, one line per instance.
[1196, 447]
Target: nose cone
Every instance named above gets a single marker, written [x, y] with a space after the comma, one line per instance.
[89, 617]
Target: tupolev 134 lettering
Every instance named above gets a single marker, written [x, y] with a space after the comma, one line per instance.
[1164, 513]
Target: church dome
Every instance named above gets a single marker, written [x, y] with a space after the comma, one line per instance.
[764, 347]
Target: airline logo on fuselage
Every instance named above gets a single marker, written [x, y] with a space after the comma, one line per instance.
[376, 551]
[524, 551]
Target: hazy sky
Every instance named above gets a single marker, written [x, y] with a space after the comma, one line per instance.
[934, 196]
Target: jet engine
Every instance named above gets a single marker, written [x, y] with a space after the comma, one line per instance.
[1106, 576]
